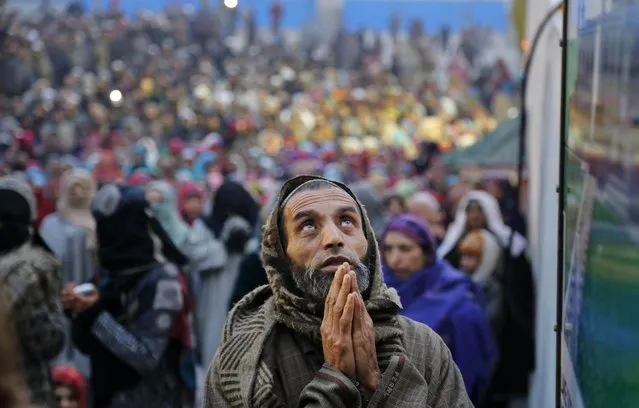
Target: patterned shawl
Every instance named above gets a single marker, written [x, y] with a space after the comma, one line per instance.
[244, 335]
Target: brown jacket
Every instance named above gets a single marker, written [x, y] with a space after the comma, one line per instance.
[426, 377]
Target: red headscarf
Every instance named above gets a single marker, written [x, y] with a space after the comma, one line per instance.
[176, 145]
[107, 170]
[72, 378]
[46, 199]
[187, 191]
[140, 179]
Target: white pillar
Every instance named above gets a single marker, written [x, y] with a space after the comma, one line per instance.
[543, 103]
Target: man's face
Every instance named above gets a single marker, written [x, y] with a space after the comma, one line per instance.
[324, 229]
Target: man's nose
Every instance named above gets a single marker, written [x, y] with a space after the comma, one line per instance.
[332, 237]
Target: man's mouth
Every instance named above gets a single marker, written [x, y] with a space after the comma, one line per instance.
[333, 263]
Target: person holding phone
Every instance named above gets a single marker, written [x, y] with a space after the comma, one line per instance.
[129, 320]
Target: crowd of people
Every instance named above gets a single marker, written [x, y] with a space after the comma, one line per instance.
[149, 235]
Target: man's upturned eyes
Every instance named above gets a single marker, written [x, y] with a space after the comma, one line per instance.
[347, 221]
[310, 225]
[307, 226]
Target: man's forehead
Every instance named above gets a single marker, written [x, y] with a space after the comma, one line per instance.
[323, 199]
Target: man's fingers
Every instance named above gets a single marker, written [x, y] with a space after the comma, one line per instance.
[335, 285]
[346, 321]
[342, 296]
[355, 288]
[357, 318]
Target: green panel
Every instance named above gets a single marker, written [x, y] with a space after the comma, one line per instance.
[601, 294]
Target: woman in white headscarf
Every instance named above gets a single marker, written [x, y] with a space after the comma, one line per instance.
[479, 210]
[70, 234]
[73, 210]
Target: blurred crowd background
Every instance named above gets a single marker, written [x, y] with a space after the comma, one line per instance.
[210, 107]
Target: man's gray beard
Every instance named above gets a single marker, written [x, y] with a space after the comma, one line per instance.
[316, 284]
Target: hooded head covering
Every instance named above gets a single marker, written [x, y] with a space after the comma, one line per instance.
[129, 238]
[187, 191]
[76, 208]
[72, 378]
[482, 243]
[416, 229]
[305, 316]
[167, 214]
[234, 216]
[437, 275]
[494, 221]
[374, 204]
[107, 170]
[232, 199]
[17, 213]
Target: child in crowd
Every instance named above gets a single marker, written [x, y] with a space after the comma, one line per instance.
[70, 388]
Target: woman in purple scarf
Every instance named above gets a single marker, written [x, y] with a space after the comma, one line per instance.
[434, 293]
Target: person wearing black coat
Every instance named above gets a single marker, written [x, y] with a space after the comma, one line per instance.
[480, 210]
